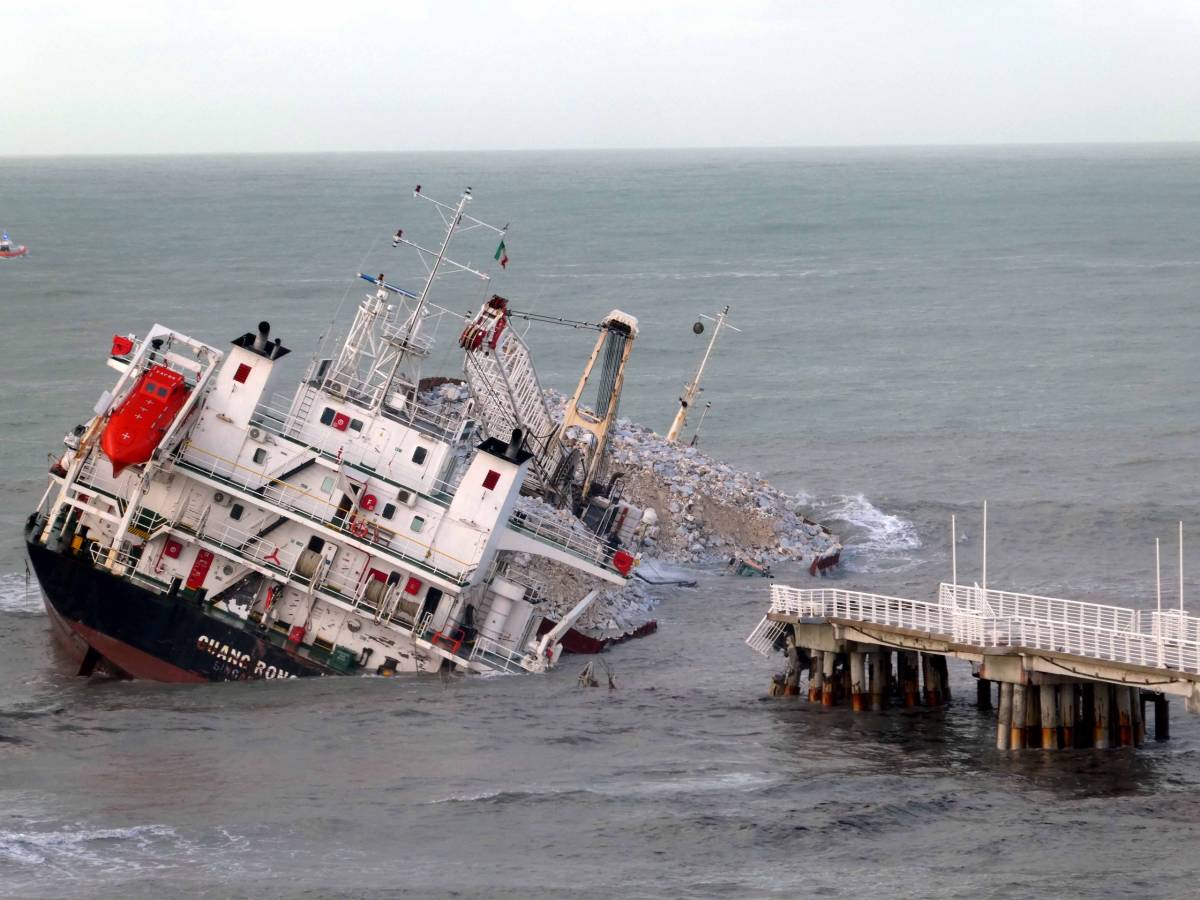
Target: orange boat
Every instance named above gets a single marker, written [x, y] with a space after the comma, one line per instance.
[140, 422]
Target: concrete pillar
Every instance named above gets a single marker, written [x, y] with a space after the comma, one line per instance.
[827, 685]
[983, 694]
[1138, 708]
[1066, 713]
[1016, 739]
[1101, 717]
[1048, 707]
[816, 676]
[1124, 718]
[858, 682]
[1162, 718]
[876, 679]
[1004, 720]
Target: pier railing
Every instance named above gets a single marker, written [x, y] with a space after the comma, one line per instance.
[999, 619]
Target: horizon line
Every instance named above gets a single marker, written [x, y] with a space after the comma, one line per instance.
[682, 148]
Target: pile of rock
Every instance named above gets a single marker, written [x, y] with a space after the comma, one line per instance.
[707, 510]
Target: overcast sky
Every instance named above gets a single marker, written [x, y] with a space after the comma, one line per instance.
[279, 75]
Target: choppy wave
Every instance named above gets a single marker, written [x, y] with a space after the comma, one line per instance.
[875, 540]
[20, 595]
[103, 847]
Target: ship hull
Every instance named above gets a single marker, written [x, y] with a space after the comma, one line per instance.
[108, 622]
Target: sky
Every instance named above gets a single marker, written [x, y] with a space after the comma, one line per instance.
[138, 76]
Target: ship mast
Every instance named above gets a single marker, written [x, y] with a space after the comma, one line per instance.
[386, 332]
[693, 387]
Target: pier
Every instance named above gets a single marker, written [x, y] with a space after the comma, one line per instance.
[1058, 674]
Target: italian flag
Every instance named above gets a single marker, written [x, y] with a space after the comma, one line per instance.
[502, 254]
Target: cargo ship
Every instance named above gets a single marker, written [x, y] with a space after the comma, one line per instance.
[194, 530]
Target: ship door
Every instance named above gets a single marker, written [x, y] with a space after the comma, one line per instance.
[344, 507]
[433, 599]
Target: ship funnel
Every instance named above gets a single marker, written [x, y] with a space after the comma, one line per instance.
[514, 445]
[260, 342]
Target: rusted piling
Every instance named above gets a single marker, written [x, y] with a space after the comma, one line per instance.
[791, 682]
[1138, 711]
[1016, 738]
[858, 682]
[1004, 722]
[1101, 719]
[1048, 709]
[908, 665]
[1124, 718]
[875, 676]
[816, 676]
[1067, 703]
[828, 694]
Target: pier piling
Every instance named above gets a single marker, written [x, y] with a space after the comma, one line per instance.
[875, 675]
[1067, 703]
[1124, 718]
[1016, 734]
[983, 694]
[827, 683]
[1048, 708]
[816, 676]
[1162, 718]
[1004, 724]
[858, 682]
[1101, 718]
[908, 663]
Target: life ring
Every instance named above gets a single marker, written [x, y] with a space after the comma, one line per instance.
[358, 528]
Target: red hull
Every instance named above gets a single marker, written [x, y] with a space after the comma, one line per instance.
[578, 642]
[13, 254]
[116, 657]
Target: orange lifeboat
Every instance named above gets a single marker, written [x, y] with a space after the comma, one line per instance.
[140, 422]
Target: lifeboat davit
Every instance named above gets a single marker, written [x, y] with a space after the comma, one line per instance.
[140, 422]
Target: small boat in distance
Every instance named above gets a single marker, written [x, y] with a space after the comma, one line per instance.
[9, 250]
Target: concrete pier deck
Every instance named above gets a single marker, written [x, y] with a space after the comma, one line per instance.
[1057, 662]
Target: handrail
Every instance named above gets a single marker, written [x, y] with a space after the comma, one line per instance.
[1088, 630]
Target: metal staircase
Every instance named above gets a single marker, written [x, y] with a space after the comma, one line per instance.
[508, 396]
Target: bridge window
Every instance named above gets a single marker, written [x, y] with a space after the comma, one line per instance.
[356, 425]
[418, 523]
[327, 415]
[419, 455]
[491, 479]
[389, 510]
[260, 456]
[242, 373]
[235, 511]
[327, 484]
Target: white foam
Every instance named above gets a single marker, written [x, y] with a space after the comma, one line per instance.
[87, 846]
[881, 540]
[16, 595]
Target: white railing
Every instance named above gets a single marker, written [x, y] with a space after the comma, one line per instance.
[497, 656]
[551, 531]
[762, 639]
[856, 606]
[968, 616]
[1005, 604]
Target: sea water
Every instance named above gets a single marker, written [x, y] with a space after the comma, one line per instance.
[920, 330]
